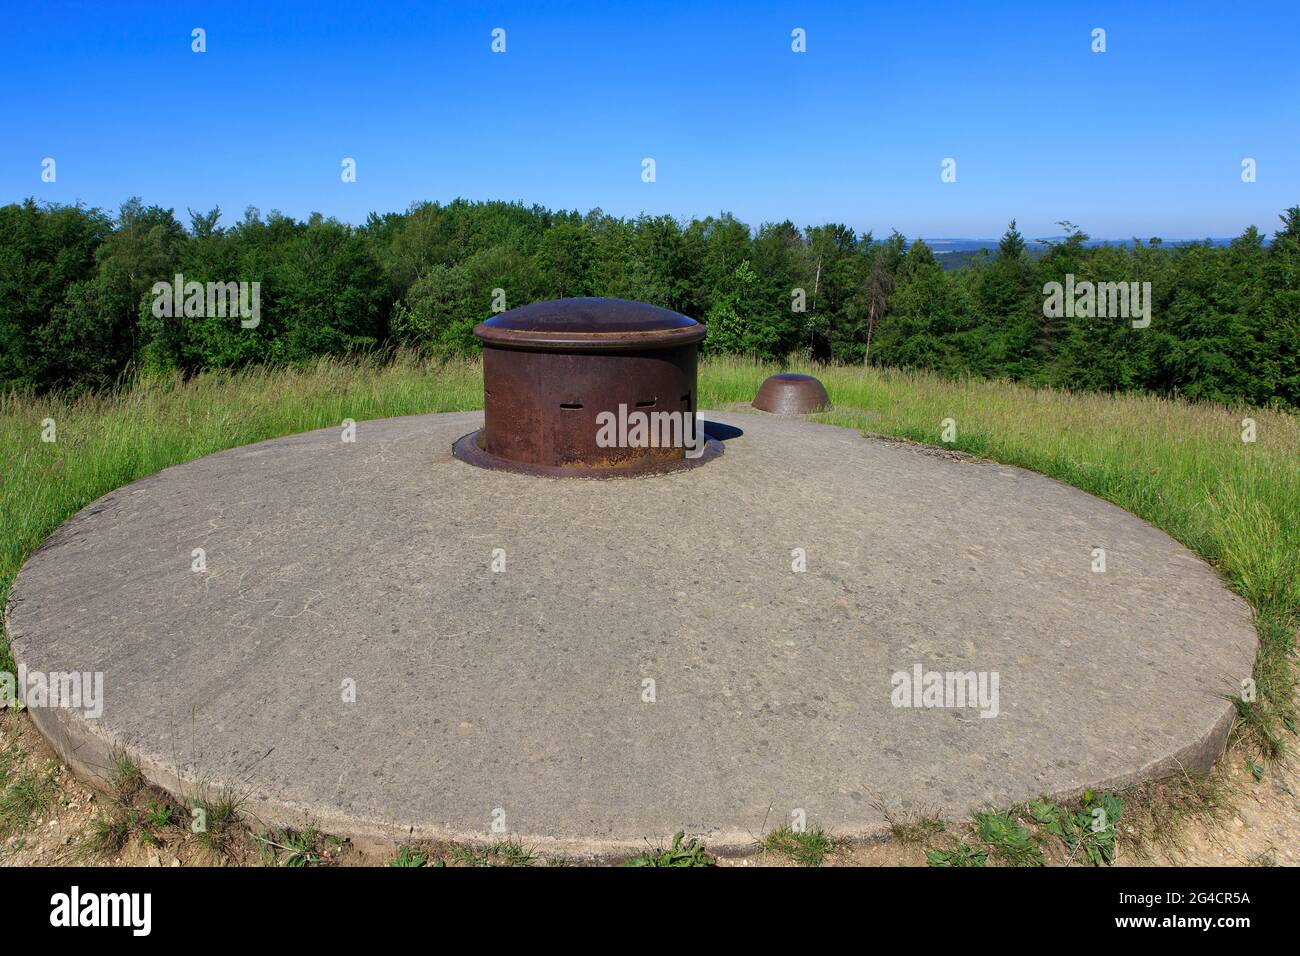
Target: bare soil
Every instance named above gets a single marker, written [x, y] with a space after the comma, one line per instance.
[1259, 825]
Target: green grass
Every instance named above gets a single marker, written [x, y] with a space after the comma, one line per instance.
[25, 793]
[127, 778]
[1088, 832]
[961, 854]
[1180, 466]
[158, 815]
[919, 831]
[104, 442]
[1156, 812]
[109, 834]
[410, 857]
[1083, 832]
[1008, 840]
[137, 810]
[681, 852]
[220, 826]
[806, 847]
[501, 853]
[295, 849]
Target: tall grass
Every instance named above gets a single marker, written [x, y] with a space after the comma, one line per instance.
[105, 441]
[1180, 466]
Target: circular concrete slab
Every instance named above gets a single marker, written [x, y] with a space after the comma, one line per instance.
[523, 695]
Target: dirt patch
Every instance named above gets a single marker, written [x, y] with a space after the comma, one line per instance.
[1258, 824]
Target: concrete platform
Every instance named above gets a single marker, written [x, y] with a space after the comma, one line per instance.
[520, 695]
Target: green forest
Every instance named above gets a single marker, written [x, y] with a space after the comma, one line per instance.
[76, 294]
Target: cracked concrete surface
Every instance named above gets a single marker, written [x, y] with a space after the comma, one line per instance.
[518, 695]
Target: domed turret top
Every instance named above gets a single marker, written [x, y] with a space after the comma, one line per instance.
[589, 325]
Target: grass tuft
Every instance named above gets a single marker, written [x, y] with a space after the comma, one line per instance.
[127, 778]
[681, 852]
[108, 835]
[294, 849]
[1156, 813]
[501, 853]
[216, 826]
[1088, 831]
[961, 854]
[806, 847]
[410, 857]
[28, 792]
[919, 831]
[1009, 841]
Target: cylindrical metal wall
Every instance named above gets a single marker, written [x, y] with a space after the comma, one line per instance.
[555, 372]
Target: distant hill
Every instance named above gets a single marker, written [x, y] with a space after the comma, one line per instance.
[955, 253]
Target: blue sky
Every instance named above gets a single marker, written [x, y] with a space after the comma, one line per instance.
[1144, 139]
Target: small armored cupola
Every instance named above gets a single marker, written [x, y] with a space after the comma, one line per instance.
[588, 387]
[792, 394]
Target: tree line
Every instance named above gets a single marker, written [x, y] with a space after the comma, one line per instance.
[77, 294]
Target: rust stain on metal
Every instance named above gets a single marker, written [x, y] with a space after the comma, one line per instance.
[792, 394]
[551, 368]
